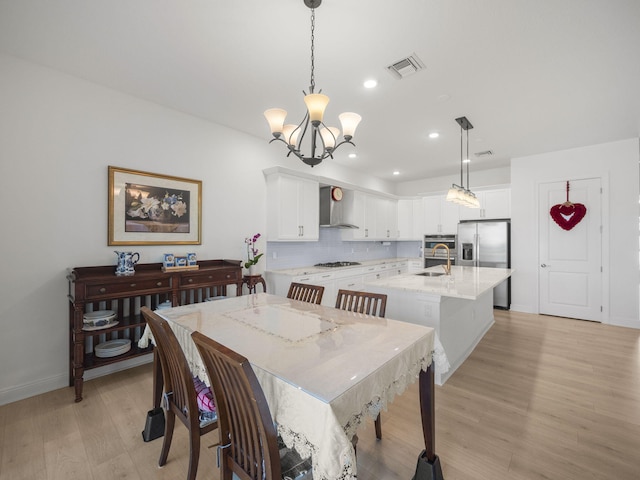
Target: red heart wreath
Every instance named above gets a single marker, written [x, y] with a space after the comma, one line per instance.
[567, 215]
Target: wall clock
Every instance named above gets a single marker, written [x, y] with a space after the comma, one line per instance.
[336, 193]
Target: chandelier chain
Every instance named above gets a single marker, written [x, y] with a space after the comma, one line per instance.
[313, 27]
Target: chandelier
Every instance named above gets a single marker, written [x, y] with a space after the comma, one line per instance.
[323, 140]
[457, 193]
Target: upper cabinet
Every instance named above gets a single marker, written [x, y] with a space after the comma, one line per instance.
[440, 216]
[493, 204]
[375, 216]
[386, 218]
[411, 219]
[292, 208]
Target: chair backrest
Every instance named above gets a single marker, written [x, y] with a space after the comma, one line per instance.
[178, 380]
[305, 292]
[244, 419]
[362, 302]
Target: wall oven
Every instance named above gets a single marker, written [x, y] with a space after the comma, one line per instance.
[440, 257]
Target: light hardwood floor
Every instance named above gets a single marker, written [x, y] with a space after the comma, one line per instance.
[539, 398]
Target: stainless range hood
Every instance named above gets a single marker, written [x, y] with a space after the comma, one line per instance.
[331, 211]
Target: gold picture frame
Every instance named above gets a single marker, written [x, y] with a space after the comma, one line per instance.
[152, 209]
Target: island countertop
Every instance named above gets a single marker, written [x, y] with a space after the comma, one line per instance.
[464, 282]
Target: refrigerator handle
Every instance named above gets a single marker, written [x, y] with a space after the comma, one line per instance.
[476, 241]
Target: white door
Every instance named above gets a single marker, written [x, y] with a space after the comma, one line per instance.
[570, 261]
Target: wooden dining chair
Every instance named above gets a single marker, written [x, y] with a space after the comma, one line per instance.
[305, 292]
[248, 439]
[370, 304]
[362, 302]
[180, 393]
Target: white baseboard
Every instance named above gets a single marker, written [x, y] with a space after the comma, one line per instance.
[522, 308]
[44, 385]
[31, 389]
[623, 322]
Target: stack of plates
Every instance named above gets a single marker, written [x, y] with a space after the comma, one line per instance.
[112, 348]
[99, 319]
[163, 305]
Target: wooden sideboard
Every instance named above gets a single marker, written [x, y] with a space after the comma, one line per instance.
[98, 288]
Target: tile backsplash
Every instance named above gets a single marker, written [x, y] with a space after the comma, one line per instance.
[331, 248]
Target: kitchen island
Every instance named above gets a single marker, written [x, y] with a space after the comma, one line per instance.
[458, 306]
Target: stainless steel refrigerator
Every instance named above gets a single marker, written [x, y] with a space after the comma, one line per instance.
[487, 243]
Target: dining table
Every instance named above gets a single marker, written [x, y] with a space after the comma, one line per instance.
[323, 370]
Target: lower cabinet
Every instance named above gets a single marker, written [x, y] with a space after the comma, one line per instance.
[415, 265]
[98, 289]
[345, 278]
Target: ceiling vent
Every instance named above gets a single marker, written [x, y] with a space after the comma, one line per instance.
[406, 66]
[486, 153]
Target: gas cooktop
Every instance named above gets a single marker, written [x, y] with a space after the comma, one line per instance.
[336, 264]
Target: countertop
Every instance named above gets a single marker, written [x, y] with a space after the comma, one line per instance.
[464, 282]
[311, 270]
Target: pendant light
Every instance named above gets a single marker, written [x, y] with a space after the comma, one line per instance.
[458, 193]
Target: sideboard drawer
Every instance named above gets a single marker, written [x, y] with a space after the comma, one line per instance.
[149, 285]
[209, 278]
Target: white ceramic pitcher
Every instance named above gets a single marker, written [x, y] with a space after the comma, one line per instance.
[126, 263]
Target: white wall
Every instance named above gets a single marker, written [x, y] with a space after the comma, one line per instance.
[616, 163]
[58, 134]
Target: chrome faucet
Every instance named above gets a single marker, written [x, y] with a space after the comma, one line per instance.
[447, 267]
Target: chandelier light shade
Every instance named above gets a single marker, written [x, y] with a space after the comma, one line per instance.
[458, 193]
[322, 139]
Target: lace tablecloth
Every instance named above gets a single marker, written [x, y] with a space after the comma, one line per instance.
[323, 371]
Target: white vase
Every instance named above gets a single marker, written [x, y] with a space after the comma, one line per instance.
[253, 270]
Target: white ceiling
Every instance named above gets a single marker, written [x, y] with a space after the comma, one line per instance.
[532, 76]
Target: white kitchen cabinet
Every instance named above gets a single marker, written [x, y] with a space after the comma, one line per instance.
[355, 213]
[493, 204]
[349, 283]
[292, 208]
[335, 279]
[415, 265]
[386, 218]
[375, 216]
[440, 216]
[372, 273]
[394, 269]
[411, 218]
[327, 281]
[279, 283]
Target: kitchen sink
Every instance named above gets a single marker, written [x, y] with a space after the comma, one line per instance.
[430, 274]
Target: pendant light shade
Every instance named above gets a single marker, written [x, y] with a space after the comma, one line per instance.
[275, 117]
[290, 133]
[329, 135]
[349, 122]
[316, 105]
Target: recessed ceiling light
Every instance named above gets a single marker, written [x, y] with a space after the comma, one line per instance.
[353, 155]
[396, 172]
[371, 83]
[444, 97]
[434, 135]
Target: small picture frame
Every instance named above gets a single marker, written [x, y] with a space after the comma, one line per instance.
[192, 259]
[181, 261]
[169, 260]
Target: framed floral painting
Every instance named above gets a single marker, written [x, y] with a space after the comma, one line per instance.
[151, 209]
